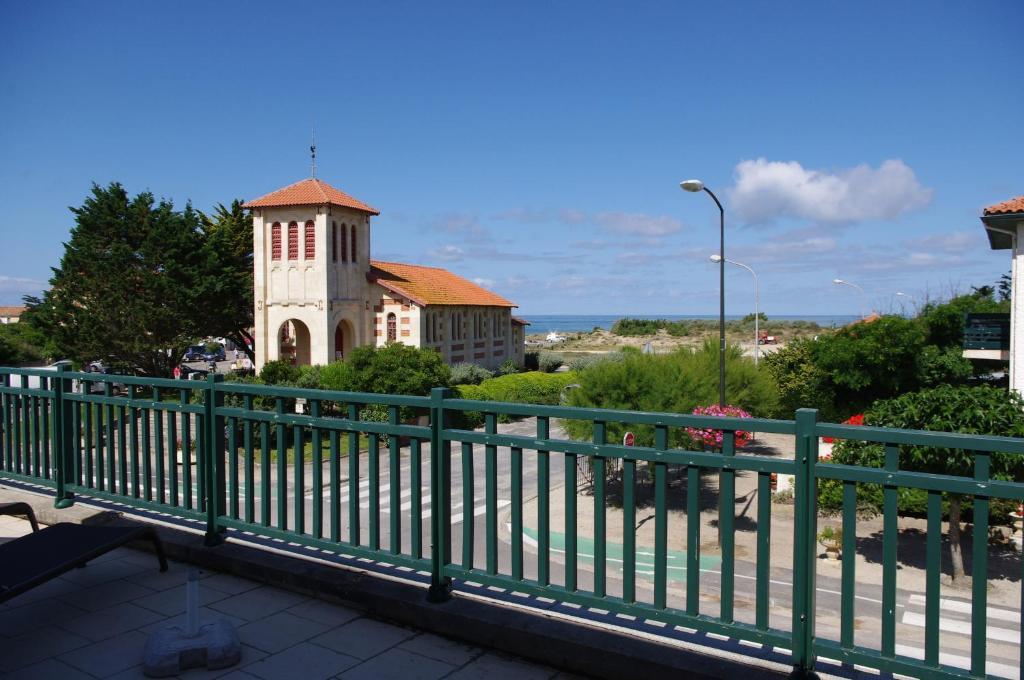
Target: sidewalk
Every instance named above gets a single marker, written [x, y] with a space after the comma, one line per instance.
[94, 623]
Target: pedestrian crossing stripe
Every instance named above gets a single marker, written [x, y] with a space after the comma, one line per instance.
[961, 607]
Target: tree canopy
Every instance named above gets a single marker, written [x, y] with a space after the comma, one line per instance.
[140, 280]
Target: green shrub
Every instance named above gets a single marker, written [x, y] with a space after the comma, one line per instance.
[336, 376]
[669, 383]
[469, 374]
[309, 378]
[508, 367]
[936, 366]
[549, 362]
[527, 388]
[279, 372]
[531, 361]
[397, 369]
[801, 382]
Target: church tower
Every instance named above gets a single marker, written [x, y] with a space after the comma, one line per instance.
[311, 261]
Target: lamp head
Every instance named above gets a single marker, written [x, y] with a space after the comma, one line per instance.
[716, 258]
[693, 185]
[838, 281]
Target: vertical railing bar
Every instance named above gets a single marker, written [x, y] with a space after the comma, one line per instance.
[133, 427]
[122, 448]
[213, 480]
[76, 441]
[110, 449]
[890, 529]
[176, 446]
[726, 521]
[318, 472]
[979, 567]
[416, 497]
[147, 453]
[335, 492]
[158, 436]
[5, 433]
[440, 498]
[517, 512]
[468, 502]
[233, 487]
[543, 505]
[491, 494]
[661, 520]
[849, 567]
[628, 531]
[34, 437]
[88, 476]
[265, 470]
[353, 478]
[933, 570]
[395, 485]
[186, 451]
[250, 462]
[600, 513]
[692, 537]
[571, 554]
[282, 467]
[45, 434]
[299, 478]
[804, 557]
[762, 597]
[374, 490]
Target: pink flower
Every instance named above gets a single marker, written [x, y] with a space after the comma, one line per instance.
[714, 438]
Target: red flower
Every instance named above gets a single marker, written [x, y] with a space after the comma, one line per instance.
[857, 419]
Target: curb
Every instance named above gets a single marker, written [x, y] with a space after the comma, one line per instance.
[540, 637]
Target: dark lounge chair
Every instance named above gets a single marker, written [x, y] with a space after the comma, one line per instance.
[34, 559]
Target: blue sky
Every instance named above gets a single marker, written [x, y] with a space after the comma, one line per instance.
[537, 147]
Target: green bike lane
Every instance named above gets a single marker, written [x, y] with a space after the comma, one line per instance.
[585, 549]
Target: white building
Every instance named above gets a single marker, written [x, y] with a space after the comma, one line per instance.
[11, 314]
[318, 294]
[1004, 223]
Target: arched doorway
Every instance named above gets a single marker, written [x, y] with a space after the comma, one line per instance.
[392, 327]
[293, 343]
[343, 337]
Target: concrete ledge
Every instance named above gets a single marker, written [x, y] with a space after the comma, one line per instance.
[540, 637]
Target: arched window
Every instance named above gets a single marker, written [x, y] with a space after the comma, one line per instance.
[293, 241]
[334, 241]
[354, 258]
[275, 241]
[392, 327]
[310, 252]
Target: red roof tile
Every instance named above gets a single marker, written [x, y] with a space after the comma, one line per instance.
[310, 192]
[1014, 205]
[432, 285]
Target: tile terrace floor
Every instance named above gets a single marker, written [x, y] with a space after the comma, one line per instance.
[94, 623]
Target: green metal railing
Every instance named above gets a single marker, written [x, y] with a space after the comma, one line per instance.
[325, 477]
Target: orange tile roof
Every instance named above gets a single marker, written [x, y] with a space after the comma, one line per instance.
[1014, 205]
[432, 285]
[310, 192]
[12, 311]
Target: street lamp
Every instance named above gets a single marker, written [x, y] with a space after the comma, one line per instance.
[694, 186]
[863, 305]
[757, 295]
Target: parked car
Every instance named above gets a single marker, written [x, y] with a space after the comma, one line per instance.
[215, 355]
[194, 353]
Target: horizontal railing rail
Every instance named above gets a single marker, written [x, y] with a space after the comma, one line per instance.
[399, 479]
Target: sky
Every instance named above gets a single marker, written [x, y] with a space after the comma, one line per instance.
[537, 148]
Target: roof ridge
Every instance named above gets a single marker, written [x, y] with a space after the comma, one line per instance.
[409, 264]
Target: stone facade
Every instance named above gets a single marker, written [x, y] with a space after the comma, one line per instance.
[316, 297]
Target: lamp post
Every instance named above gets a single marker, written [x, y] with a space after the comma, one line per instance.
[913, 300]
[694, 186]
[863, 304]
[757, 295]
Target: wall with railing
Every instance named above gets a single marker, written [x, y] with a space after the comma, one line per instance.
[397, 479]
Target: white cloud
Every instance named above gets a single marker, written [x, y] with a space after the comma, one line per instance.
[638, 223]
[633, 259]
[447, 253]
[13, 288]
[952, 242]
[485, 283]
[766, 190]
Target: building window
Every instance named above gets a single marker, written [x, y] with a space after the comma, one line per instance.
[293, 241]
[334, 241]
[275, 241]
[392, 327]
[354, 259]
[310, 253]
[344, 243]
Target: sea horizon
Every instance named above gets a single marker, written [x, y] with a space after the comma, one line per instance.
[575, 323]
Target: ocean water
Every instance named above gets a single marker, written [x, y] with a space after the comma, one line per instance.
[572, 323]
